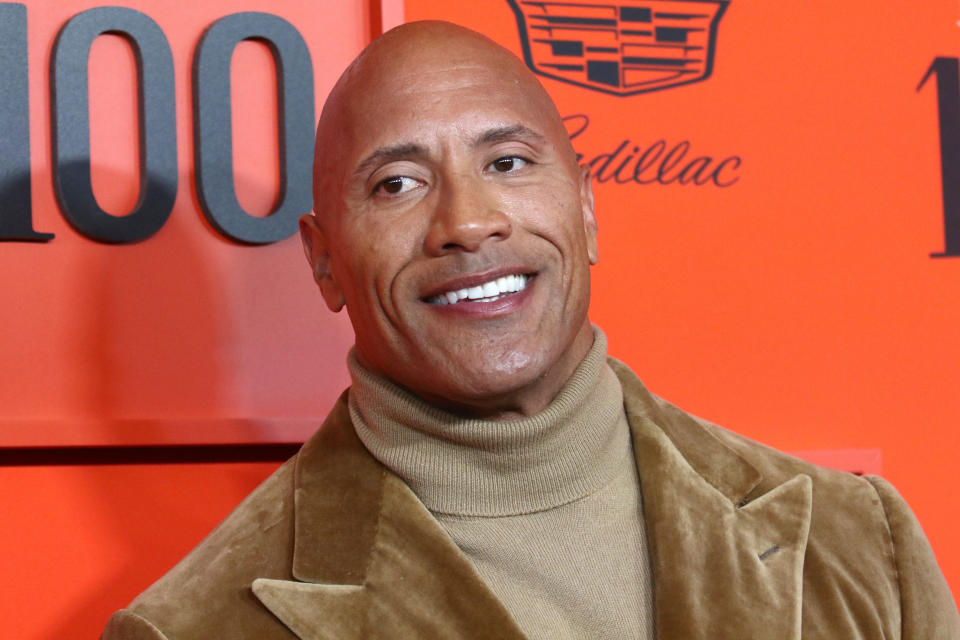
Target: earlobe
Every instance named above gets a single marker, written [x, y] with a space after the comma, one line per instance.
[589, 219]
[315, 248]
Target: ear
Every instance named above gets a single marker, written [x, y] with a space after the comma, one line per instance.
[315, 248]
[589, 219]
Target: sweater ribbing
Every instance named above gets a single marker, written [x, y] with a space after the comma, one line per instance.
[547, 507]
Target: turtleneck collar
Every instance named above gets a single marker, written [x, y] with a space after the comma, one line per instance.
[474, 467]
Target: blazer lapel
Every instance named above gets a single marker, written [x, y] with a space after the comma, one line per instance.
[727, 561]
[369, 560]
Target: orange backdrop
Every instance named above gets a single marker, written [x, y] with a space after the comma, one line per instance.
[799, 305]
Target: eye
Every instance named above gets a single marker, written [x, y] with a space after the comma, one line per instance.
[507, 164]
[395, 185]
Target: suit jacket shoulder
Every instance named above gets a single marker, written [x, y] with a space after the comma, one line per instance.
[867, 568]
[331, 546]
[207, 594]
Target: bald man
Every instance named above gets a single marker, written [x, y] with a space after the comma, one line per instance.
[491, 473]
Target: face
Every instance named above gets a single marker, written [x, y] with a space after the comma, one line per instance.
[457, 229]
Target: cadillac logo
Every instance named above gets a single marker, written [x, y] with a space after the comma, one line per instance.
[621, 48]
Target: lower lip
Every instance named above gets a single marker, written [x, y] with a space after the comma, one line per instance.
[509, 303]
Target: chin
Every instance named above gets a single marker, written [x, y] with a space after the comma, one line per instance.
[500, 379]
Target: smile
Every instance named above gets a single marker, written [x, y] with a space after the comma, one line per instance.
[486, 292]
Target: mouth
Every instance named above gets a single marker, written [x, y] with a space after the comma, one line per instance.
[489, 291]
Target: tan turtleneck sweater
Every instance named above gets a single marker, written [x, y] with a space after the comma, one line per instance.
[547, 507]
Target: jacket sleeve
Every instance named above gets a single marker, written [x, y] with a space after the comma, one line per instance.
[928, 610]
[126, 625]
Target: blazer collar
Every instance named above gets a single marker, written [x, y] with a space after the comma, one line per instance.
[727, 557]
[369, 560]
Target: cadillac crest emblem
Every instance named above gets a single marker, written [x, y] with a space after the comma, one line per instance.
[621, 48]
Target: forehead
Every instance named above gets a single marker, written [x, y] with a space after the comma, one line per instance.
[430, 101]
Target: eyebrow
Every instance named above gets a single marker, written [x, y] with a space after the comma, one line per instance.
[511, 132]
[389, 154]
[407, 150]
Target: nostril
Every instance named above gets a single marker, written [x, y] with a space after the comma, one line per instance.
[467, 229]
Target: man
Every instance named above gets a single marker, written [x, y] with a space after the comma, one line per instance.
[490, 474]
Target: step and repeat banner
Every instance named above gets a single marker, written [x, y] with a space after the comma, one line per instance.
[777, 184]
[154, 160]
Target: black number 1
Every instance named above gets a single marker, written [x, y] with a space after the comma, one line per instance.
[947, 71]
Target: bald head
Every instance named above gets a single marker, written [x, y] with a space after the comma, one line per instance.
[452, 222]
[379, 84]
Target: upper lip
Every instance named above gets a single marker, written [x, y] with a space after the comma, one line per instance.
[474, 280]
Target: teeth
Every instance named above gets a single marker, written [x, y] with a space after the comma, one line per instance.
[487, 291]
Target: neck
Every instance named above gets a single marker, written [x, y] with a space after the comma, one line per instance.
[470, 466]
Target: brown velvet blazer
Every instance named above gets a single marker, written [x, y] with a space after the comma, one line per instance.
[745, 542]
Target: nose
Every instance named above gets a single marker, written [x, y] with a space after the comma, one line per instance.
[466, 216]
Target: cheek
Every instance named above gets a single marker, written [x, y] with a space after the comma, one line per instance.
[552, 214]
[375, 257]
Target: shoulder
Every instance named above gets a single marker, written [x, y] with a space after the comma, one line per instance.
[866, 555]
[929, 610]
[212, 583]
[126, 625]
[866, 552]
[691, 433]
[843, 503]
